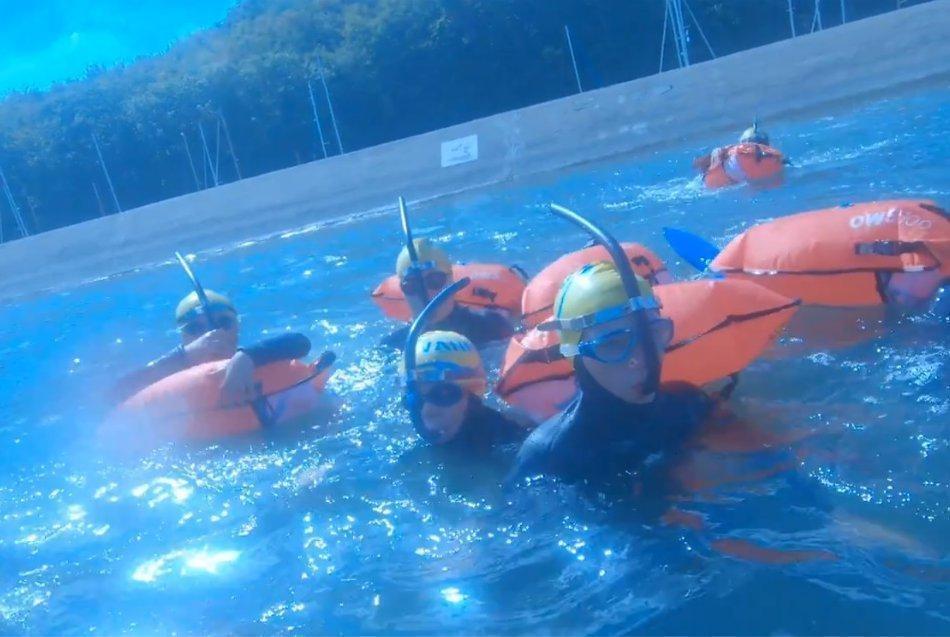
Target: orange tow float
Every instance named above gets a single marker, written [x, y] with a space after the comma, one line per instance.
[745, 163]
[720, 327]
[494, 288]
[186, 405]
[835, 256]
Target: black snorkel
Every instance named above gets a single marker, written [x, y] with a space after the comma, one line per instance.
[629, 279]
[412, 400]
[262, 409]
[414, 270]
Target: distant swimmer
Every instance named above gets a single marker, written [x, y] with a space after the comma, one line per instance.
[209, 332]
[423, 270]
[753, 159]
[450, 389]
[621, 420]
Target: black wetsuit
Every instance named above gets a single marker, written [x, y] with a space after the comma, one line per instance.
[287, 346]
[609, 445]
[479, 328]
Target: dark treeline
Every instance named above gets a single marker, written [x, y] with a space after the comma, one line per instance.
[394, 68]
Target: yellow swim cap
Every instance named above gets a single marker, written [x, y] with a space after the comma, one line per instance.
[449, 357]
[190, 307]
[428, 253]
[593, 295]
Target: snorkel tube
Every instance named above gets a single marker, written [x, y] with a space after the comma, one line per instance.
[262, 409]
[411, 249]
[629, 280]
[412, 399]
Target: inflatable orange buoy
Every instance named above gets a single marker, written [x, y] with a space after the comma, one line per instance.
[719, 327]
[493, 287]
[743, 163]
[834, 256]
[186, 405]
[538, 297]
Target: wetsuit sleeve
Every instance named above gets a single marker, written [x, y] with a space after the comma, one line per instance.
[396, 340]
[133, 382]
[285, 347]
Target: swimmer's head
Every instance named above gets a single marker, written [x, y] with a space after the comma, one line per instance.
[449, 371]
[599, 329]
[423, 279]
[753, 135]
[193, 322]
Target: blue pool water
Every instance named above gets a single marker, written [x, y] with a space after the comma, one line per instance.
[348, 526]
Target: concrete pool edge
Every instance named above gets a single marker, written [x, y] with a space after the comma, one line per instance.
[898, 51]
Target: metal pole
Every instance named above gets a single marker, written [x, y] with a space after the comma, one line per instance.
[699, 28]
[666, 20]
[102, 210]
[217, 147]
[191, 162]
[316, 118]
[326, 90]
[95, 142]
[816, 22]
[791, 17]
[14, 208]
[204, 144]
[570, 48]
[844, 18]
[227, 138]
[679, 32]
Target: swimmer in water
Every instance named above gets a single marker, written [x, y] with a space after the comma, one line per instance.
[424, 276]
[211, 334]
[451, 384]
[621, 419]
[751, 135]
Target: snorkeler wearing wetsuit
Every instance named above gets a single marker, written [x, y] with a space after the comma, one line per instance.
[208, 334]
[717, 156]
[424, 277]
[451, 384]
[620, 422]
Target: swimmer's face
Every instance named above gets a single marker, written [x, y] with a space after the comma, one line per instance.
[226, 324]
[619, 362]
[420, 286]
[443, 410]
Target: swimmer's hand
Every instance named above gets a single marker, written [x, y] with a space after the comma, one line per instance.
[216, 345]
[238, 387]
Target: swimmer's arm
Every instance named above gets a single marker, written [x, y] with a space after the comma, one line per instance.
[289, 346]
[133, 382]
[396, 340]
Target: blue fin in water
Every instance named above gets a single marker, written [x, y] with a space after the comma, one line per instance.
[692, 248]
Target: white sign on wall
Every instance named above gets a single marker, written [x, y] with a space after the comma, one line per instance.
[459, 151]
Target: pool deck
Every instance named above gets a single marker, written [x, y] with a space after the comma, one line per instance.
[832, 69]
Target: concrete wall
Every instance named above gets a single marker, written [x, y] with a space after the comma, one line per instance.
[857, 61]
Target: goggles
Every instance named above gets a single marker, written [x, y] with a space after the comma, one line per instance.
[421, 278]
[197, 327]
[618, 345]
